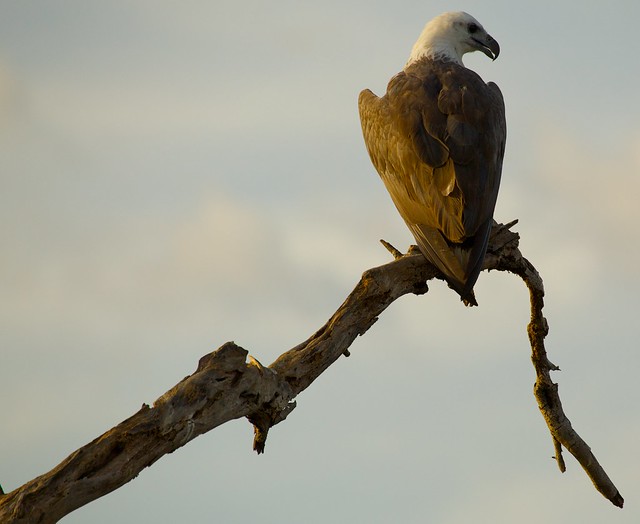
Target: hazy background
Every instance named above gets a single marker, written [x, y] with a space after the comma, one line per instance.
[178, 174]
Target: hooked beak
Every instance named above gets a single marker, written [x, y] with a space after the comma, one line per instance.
[488, 45]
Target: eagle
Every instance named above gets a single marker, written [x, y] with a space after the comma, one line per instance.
[437, 140]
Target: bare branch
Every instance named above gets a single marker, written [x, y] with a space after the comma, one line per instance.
[228, 384]
[224, 387]
[545, 390]
[391, 249]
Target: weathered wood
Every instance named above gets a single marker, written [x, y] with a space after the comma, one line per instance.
[545, 390]
[223, 388]
[228, 384]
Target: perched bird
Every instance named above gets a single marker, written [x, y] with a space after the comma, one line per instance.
[437, 140]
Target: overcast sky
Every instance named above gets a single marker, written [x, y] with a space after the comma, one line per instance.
[178, 174]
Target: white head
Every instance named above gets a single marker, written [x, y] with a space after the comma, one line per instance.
[451, 35]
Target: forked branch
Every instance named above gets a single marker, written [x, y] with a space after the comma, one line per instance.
[228, 384]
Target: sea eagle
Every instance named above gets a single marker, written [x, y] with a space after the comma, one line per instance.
[437, 140]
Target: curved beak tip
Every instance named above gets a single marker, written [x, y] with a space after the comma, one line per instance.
[494, 47]
[489, 46]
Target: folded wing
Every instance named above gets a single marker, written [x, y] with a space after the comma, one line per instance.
[437, 140]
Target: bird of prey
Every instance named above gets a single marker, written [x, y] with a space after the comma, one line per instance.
[437, 140]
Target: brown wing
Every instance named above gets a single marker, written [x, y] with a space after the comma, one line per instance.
[437, 140]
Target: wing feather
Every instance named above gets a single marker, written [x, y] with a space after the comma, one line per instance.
[437, 140]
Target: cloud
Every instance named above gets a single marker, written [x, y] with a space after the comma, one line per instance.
[575, 198]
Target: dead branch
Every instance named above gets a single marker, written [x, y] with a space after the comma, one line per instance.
[545, 390]
[227, 385]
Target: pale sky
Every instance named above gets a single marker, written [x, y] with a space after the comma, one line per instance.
[179, 174]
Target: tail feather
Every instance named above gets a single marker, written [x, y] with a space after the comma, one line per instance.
[460, 263]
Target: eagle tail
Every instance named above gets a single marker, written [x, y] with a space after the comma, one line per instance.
[460, 263]
[475, 256]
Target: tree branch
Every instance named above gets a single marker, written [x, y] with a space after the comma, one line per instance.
[227, 385]
[545, 390]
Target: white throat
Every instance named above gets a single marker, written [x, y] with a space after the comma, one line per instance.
[430, 46]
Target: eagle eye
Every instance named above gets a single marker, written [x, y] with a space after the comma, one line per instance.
[472, 28]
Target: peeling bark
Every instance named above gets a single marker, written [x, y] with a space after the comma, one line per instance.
[230, 384]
